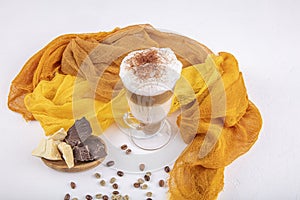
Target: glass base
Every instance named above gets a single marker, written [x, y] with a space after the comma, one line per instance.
[151, 142]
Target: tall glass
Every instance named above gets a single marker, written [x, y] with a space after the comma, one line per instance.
[150, 102]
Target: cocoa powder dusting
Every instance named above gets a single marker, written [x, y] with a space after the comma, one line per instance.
[146, 64]
[143, 58]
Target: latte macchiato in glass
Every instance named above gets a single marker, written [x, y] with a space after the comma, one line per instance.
[149, 77]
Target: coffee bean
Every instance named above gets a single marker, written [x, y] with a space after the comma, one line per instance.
[112, 180]
[142, 167]
[147, 178]
[98, 196]
[124, 147]
[115, 192]
[149, 194]
[67, 197]
[102, 183]
[167, 169]
[110, 163]
[115, 186]
[97, 175]
[148, 173]
[148, 199]
[88, 197]
[141, 181]
[105, 197]
[116, 197]
[120, 173]
[128, 151]
[75, 198]
[126, 197]
[136, 185]
[73, 185]
[144, 186]
[161, 183]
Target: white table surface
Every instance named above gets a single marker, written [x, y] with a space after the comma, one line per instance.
[264, 37]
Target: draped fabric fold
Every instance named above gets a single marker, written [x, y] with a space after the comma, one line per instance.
[233, 134]
[76, 75]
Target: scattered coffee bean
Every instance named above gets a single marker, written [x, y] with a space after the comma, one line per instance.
[126, 197]
[110, 163]
[119, 197]
[112, 180]
[98, 196]
[128, 151]
[120, 173]
[105, 197]
[75, 198]
[148, 173]
[115, 186]
[147, 178]
[136, 185]
[161, 183]
[97, 175]
[149, 194]
[144, 186]
[73, 185]
[67, 197]
[167, 169]
[124, 147]
[115, 192]
[141, 181]
[148, 199]
[142, 167]
[88, 197]
[113, 197]
[102, 183]
[116, 197]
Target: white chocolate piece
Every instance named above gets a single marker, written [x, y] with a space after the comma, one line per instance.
[41, 148]
[47, 149]
[67, 153]
[59, 135]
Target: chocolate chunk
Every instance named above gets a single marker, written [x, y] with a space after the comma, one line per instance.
[86, 147]
[81, 153]
[96, 147]
[79, 132]
[91, 149]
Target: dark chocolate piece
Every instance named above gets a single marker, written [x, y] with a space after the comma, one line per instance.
[79, 132]
[81, 153]
[96, 147]
[86, 147]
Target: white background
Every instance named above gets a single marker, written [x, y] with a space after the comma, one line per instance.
[264, 37]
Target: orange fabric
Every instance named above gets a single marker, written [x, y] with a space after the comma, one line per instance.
[220, 138]
[42, 66]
